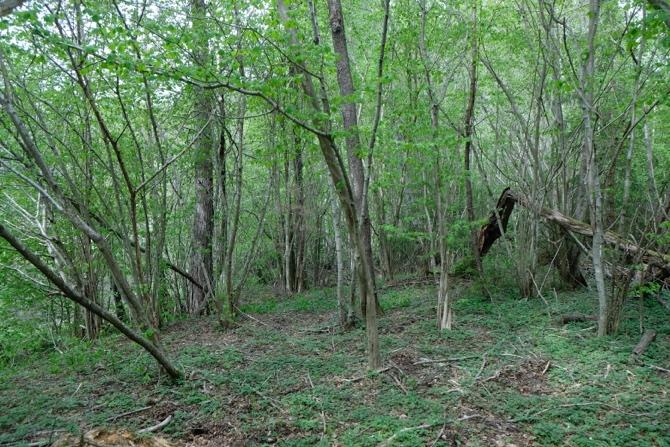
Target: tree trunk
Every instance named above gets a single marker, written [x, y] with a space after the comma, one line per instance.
[298, 219]
[345, 310]
[350, 122]
[468, 121]
[203, 223]
[592, 179]
[652, 190]
[444, 301]
[345, 195]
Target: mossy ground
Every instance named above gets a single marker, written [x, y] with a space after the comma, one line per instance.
[515, 377]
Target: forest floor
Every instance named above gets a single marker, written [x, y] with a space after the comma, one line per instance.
[507, 375]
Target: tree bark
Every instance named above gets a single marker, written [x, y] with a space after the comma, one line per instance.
[345, 310]
[468, 134]
[203, 222]
[592, 179]
[350, 121]
[445, 315]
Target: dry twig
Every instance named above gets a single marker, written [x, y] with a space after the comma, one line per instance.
[156, 427]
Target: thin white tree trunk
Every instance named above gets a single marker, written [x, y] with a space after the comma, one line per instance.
[592, 178]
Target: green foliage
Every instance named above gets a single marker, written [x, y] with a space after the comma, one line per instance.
[466, 267]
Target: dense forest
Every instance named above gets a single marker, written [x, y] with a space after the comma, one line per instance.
[334, 222]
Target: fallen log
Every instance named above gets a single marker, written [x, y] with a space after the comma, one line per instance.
[490, 231]
[645, 341]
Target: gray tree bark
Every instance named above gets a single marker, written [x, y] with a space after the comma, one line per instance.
[592, 178]
[203, 219]
[345, 195]
[350, 121]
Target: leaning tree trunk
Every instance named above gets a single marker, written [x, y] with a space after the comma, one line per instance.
[151, 347]
[495, 227]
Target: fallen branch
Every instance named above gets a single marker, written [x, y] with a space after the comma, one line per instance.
[445, 360]
[270, 400]
[158, 426]
[398, 382]
[359, 378]
[658, 368]
[644, 343]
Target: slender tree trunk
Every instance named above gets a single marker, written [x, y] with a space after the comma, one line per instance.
[150, 346]
[298, 219]
[203, 223]
[445, 316]
[350, 121]
[469, 116]
[343, 306]
[592, 178]
[289, 270]
[119, 309]
[384, 245]
[652, 190]
[631, 141]
[345, 195]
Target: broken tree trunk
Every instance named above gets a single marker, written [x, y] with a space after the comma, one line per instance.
[497, 225]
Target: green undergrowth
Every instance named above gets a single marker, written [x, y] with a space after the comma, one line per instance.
[507, 374]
